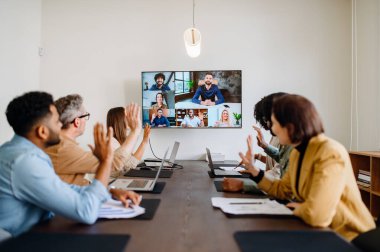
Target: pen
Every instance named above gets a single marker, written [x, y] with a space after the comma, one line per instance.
[241, 162]
[246, 203]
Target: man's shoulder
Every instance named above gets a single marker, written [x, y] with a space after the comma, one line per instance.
[28, 160]
[66, 144]
[214, 86]
[153, 87]
[196, 118]
[18, 150]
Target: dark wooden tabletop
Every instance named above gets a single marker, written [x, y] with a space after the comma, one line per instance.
[185, 219]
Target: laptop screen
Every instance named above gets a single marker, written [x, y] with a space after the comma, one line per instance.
[210, 164]
[174, 152]
[162, 164]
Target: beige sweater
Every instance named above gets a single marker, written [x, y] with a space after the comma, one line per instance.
[71, 162]
[328, 191]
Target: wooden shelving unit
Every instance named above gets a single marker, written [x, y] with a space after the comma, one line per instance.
[181, 113]
[368, 161]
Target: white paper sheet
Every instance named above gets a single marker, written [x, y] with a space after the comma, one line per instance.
[231, 168]
[250, 206]
[113, 209]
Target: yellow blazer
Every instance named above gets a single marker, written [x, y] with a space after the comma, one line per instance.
[328, 192]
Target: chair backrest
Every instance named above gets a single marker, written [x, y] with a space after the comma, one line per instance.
[368, 241]
[4, 235]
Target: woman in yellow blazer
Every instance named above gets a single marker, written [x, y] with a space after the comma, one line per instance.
[320, 179]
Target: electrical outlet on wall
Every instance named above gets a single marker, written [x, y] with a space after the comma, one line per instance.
[41, 51]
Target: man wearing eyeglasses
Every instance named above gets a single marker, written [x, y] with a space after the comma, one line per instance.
[71, 162]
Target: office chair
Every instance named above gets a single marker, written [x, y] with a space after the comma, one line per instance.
[4, 235]
[368, 241]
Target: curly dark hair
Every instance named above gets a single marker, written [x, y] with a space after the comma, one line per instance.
[24, 111]
[159, 75]
[263, 110]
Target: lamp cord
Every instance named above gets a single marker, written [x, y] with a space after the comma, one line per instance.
[193, 13]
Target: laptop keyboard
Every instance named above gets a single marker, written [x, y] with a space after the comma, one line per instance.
[138, 183]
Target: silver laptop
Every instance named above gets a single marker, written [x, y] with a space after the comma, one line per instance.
[168, 163]
[219, 172]
[139, 184]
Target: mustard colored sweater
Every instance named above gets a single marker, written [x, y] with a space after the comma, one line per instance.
[327, 189]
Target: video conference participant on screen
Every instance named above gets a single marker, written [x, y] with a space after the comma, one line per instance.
[159, 120]
[192, 121]
[208, 92]
[159, 79]
[159, 102]
[225, 119]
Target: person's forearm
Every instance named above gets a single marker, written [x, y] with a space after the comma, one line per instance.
[104, 171]
[130, 141]
[140, 150]
[273, 152]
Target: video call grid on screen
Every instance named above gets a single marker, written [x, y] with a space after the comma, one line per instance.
[192, 99]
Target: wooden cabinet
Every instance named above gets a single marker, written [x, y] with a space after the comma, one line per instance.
[368, 161]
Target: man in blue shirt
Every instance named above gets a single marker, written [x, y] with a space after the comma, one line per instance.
[159, 86]
[159, 120]
[207, 92]
[30, 191]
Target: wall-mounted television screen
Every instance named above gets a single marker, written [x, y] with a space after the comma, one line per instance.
[192, 99]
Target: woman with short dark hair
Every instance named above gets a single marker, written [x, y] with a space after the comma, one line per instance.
[320, 180]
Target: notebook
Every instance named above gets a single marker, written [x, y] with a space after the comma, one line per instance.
[138, 184]
[218, 172]
[311, 241]
[168, 163]
[62, 242]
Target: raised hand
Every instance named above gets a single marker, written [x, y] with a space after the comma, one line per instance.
[102, 150]
[133, 117]
[153, 116]
[146, 133]
[260, 137]
[249, 154]
[200, 116]
[247, 159]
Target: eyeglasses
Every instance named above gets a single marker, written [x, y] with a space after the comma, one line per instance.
[85, 116]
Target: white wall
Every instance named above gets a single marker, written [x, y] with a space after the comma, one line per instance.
[20, 35]
[366, 131]
[99, 48]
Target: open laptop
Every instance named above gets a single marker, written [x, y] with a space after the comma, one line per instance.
[168, 163]
[218, 173]
[139, 184]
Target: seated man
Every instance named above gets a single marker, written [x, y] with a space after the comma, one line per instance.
[192, 121]
[159, 79]
[70, 161]
[159, 120]
[208, 92]
[30, 190]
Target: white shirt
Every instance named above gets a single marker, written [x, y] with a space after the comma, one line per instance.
[195, 122]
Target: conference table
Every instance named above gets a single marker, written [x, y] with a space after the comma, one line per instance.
[185, 219]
